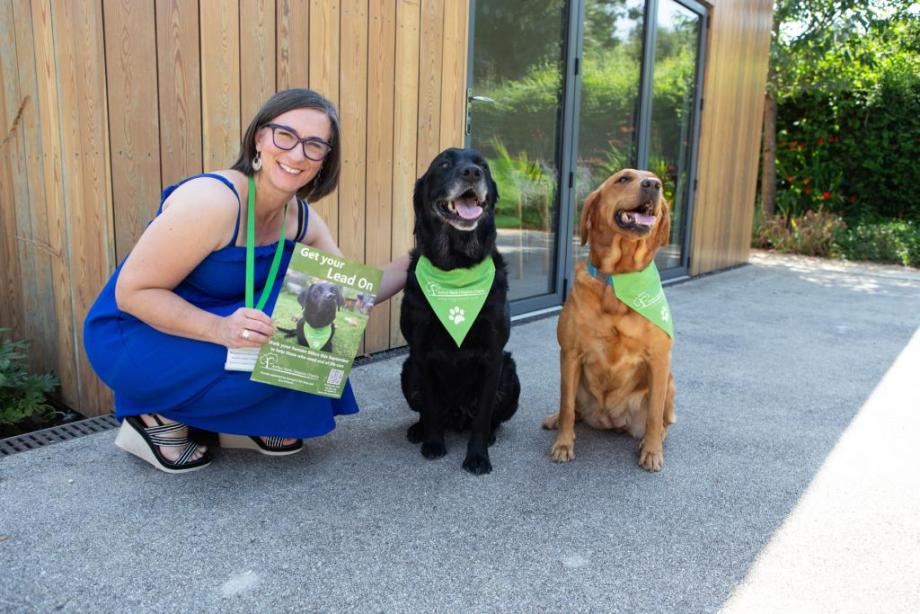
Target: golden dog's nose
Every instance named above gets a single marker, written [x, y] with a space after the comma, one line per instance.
[650, 183]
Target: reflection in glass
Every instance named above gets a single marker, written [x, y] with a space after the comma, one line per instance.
[609, 108]
[518, 63]
[673, 94]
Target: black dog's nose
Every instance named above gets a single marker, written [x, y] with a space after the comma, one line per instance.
[471, 172]
[654, 184]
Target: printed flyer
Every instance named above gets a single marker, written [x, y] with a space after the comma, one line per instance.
[320, 316]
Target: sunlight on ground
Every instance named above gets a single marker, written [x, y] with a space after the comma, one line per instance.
[852, 541]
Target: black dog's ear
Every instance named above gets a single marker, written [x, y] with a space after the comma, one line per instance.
[339, 299]
[302, 297]
[493, 189]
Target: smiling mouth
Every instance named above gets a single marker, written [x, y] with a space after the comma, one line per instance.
[462, 212]
[639, 220]
[289, 170]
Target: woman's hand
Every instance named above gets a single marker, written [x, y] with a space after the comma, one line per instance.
[245, 328]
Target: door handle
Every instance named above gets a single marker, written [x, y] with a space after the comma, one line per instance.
[472, 98]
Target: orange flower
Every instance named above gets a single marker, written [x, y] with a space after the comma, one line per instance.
[790, 179]
[807, 180]
[820, 140]
[826, 195]
[807, 190]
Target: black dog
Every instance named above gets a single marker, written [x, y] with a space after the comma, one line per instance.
[320, 302]
[474, 386]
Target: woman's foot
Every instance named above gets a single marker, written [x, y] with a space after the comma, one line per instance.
[172, 453]
[270, 446]
[161, 442]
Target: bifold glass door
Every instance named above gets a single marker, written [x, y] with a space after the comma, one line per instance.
[563, 93]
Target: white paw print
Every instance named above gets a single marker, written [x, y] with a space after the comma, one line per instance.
[456, 314]
[665, 314]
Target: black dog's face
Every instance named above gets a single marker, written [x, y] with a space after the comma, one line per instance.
[320, 302]
[457, 189]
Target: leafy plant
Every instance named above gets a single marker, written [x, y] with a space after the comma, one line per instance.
[896, 241]
[815, 233]
[526, 188]
[22, 394]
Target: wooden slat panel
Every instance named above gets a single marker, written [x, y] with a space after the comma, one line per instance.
[430, 69]
[730, 132]
[131, 70]
[64, 363]
[220, 82]
[405, 138]
[179, 67]
[35, 251]
[324, 78]
[257, 57]
[381, 62]
[453, 82]
[13, 187]
[353, 110]
[293, 55]
[86, 178]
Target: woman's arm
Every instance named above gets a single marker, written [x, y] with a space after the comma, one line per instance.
[198, 220]
[394, 273]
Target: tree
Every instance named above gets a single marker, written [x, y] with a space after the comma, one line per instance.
[804, 33]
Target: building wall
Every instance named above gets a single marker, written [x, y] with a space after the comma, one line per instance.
[101, 110]
[738, 51]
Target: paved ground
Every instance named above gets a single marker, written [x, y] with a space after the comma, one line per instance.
[791, 483]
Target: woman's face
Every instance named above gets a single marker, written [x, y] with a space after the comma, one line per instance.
[290, 170]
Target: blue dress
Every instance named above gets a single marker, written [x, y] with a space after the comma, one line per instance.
[184, 379]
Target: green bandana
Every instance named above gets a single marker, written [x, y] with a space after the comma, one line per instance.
[642, 292]
[317, 337]
[456, 296]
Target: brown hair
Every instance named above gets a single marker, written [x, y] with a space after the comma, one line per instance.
[327, 178]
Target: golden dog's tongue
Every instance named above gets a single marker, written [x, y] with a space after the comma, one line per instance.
[468, 208]
[639, 218]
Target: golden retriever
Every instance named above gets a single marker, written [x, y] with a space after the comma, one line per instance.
[615, 363]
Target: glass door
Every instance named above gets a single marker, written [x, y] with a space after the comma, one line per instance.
[564, 93]
[515, 118]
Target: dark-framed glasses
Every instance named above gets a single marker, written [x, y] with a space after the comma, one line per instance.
[314, 148]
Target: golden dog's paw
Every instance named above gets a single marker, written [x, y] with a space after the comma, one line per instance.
[563, 451]
[651, 457]
[552, 422]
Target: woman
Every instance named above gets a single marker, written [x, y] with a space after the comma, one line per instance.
[159, 333]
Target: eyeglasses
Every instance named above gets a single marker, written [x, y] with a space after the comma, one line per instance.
[314, 148]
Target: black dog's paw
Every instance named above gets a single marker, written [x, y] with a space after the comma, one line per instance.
[433, 449]
[492, 437]
[477, 464]
[414, 433]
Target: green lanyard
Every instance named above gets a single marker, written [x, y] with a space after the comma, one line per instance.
[251, 252]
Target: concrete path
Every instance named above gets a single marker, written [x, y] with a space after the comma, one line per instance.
[791, 483]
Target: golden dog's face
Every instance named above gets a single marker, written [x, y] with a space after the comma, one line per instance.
[628, 204]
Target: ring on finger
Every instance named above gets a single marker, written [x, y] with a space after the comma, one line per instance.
[245, 334]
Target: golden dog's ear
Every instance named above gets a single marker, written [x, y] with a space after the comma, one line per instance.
[663, 233]
[587, 212]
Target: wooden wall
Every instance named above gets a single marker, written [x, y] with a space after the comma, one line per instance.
[104, 102]
[730, 130]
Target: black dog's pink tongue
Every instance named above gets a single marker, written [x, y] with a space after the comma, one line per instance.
[468, 208]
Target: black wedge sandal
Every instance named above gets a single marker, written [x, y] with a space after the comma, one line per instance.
[271, 447]
[145, 441]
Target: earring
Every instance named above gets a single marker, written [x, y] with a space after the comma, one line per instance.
[257, 162]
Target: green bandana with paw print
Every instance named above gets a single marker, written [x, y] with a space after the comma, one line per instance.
[317, 337]
[456, 296]
[642, 292]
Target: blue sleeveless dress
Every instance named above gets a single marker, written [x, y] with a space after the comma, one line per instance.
[184, 379]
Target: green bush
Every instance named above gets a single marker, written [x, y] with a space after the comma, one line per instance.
[22, 394]
[815, 233]
[896, 241]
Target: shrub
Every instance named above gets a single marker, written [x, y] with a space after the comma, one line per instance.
[815, 233]
[896, 241]
[22, 394]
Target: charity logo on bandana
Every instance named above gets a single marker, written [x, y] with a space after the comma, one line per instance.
[643, 293]
[456, 296]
